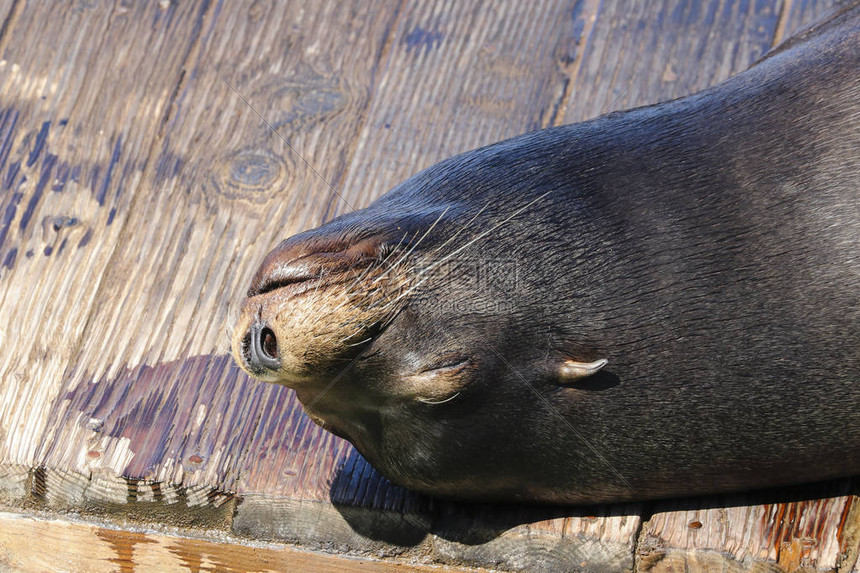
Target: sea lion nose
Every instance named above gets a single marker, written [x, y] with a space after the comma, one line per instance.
[260, 347]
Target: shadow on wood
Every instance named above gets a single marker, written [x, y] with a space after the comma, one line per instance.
[460, 522]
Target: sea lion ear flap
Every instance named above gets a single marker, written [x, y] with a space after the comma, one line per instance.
[572, 370]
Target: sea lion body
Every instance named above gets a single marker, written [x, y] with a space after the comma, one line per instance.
[659, 302]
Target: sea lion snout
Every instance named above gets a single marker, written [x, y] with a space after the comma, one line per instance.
[315, 302]
[260, 348]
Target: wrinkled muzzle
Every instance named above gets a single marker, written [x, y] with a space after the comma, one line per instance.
[314, 305]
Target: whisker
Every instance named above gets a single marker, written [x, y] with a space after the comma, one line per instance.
[409, 252]
[465, 226]
[347, 295]
[528, 189]
[468, 244]
[394, 249]
[434, 402]
[460, 230]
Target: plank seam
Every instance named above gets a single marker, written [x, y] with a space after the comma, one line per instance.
[781, 23]
[645, 515]
[9, 23]
[571, 72]
[850, 529]
[376, 72]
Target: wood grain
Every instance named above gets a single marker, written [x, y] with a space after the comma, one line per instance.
[530, 538]
[786, 535]
[462, 75]
[798, 14]
[77, 546]
[221, 190]
[645, 52]
[75, 136]
[9, 12]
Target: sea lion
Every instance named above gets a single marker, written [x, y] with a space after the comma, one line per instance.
[659, 302]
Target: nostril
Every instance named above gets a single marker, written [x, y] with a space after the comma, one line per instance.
[246, 347]
[269, 343]
[260, 348]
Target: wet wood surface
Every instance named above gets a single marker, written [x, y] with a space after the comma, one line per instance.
[152, 153]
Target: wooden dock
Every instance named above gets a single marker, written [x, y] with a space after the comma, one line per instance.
[151, 153]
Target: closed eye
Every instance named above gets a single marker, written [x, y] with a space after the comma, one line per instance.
[441, 381]
[446, 365]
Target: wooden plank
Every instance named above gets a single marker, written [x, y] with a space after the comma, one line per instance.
[646, 52]
[9, 12]
[76, 546]
[147, 399]
[517, 538]
[817, 529]
[797, 14]
[462, 75]
[14, 483]
[529, 538]
[73, 147]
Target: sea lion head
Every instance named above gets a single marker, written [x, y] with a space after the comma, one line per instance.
[457, 330]
[418, 327]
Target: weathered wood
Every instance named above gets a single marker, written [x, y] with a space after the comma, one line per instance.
[740, 533]
[520, 538]
[221, 188]
[76, 546]
[547, 539]
[9, 11]
[461, 75]
[645, 52]
[798, 14]
[74, 138]
[14, 482]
